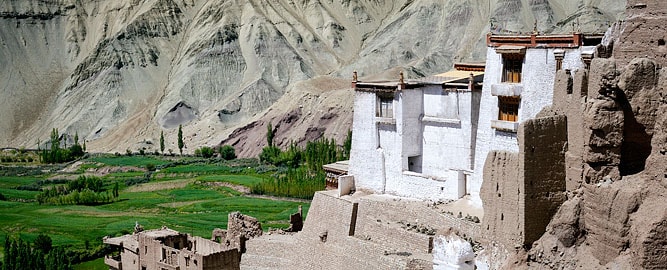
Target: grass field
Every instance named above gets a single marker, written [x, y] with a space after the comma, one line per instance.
[178, 197]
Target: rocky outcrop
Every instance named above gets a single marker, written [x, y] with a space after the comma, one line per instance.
[631, 38]
[120, 72]
[614, 216]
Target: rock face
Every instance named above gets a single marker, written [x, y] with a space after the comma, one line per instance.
[616, 161]
[120, 72]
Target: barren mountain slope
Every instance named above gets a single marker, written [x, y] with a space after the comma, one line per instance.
[119, 72]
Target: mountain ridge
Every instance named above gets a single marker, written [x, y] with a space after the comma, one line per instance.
[118, 73]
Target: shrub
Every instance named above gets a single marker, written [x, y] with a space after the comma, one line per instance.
[2, 197]
[270, 154]
[204, 151]
[227, 152]
[150, 167]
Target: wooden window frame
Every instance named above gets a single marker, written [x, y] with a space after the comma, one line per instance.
[508, 108]
[512, 67]
[385, 106]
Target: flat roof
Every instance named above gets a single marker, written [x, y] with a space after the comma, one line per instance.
[337, 167]
[128, 241]
[159, 233]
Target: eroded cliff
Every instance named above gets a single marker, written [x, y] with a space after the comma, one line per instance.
[119, 72]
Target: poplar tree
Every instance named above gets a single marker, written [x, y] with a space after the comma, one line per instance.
[269, 134]
[180, 139]
[162, 142]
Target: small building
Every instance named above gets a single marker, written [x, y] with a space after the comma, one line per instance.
[334, 171]
[168, 249]
[415, 138]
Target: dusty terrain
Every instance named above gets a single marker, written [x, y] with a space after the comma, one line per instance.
[120, 72]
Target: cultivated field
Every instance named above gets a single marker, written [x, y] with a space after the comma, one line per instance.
[189, 195]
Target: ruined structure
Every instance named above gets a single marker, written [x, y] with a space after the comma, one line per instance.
[168, 249]
[616, 161]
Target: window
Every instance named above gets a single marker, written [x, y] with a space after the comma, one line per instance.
[512, 68]
[508, 108]
[415, 164]
[559, 55]
[385, 106]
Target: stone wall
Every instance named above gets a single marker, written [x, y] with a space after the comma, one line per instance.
[331, 217]
[522, 191]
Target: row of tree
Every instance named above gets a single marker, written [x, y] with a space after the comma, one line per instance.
[85, 190]
[180, 142]
[20, 255]
[304, 174]
[57, 154]
[226, 152]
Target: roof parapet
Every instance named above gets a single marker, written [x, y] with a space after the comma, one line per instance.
[534, 40]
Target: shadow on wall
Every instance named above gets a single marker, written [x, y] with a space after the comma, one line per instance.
[636, 145]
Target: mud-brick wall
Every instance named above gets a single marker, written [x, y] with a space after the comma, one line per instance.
[228, 259]
[522, 191]
[542, 160]
[643, 33]
[502, 198]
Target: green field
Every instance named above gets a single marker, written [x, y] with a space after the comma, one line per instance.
[189, 198]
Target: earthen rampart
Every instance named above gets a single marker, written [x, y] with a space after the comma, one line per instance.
[522, 191]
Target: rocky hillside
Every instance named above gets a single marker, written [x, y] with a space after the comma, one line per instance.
[120, 72]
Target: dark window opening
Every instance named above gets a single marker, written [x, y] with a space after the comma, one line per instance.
[415, 164]
[512, 66]
[661, 42]
[508, 108]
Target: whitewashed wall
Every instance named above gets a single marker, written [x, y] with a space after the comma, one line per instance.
[365, 156]
[538, 73]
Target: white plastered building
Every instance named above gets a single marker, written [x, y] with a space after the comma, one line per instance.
[429, 138]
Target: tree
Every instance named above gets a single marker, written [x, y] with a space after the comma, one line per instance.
[204, 151]
[115, 190]
[180, 139]
[162, 142]
[227, 152]
[44, 243]
[347, 145]
[269, 134]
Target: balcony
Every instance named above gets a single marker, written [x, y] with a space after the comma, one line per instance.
[113, 262]
[507, 89]
[505, 125]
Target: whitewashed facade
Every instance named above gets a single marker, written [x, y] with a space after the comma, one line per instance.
[435, 141]
[422, 148]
